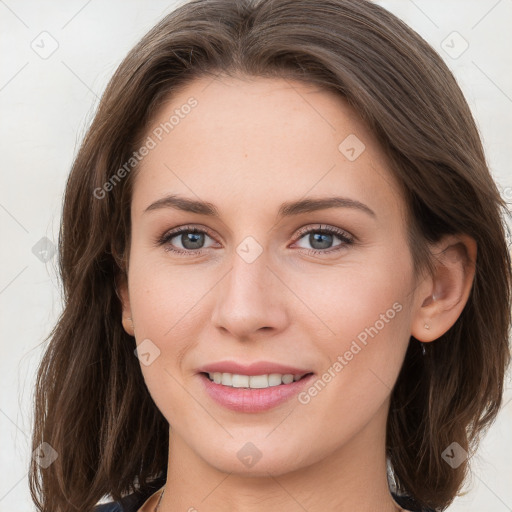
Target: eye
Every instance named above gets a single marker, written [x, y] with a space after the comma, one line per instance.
[184, 240]
[190, 240]
[321, 239]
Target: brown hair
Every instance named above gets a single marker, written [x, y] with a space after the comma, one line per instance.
[91, 402]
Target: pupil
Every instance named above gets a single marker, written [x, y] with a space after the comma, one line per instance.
[323, 238]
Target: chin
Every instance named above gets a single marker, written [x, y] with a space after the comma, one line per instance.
[258, 459]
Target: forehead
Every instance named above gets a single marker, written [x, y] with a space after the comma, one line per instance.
[253, 141]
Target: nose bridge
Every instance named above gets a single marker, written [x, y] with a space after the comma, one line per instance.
[248, 297]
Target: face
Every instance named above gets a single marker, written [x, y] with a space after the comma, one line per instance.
[319, 291]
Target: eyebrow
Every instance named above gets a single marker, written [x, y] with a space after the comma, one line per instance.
[287, 209]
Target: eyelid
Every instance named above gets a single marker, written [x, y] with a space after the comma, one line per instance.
[185, 228]
[346, 237]
[325, 227]
[302, 231]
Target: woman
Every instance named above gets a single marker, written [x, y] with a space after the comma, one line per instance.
[283, 209]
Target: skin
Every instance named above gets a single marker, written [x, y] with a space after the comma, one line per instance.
[249, 145]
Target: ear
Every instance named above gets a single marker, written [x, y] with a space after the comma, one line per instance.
[121, 283]
[443, 295]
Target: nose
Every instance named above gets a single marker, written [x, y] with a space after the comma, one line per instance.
[251, 299]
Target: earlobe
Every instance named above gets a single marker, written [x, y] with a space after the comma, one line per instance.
[128, 325]
[121, 287]
[448, 289]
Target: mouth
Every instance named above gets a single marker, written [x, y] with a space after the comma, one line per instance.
[235, 380]
[253, 393]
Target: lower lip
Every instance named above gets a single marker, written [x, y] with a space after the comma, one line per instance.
[253, 400]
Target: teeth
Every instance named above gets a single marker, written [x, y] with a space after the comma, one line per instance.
[240, 381]
[287, 379]
[227, 379]
[259, 381]
[275, 379]
[253, 381]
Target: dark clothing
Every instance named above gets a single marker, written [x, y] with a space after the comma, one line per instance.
[134, 501]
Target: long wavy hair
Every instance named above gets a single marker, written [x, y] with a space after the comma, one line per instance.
[91, 403]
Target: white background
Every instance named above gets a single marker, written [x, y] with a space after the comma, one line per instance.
[46, 106]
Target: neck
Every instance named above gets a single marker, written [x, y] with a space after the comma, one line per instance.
[351, 478]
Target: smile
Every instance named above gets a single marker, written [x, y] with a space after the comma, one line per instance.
[253, 381]
[253, 393]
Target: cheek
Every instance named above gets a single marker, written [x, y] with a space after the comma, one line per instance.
[164, 305]
[365, 314]
[361, 294]
[165, 298]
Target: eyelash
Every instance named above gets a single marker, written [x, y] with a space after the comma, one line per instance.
[346, 239]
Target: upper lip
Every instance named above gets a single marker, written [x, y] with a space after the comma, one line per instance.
[257, 368]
